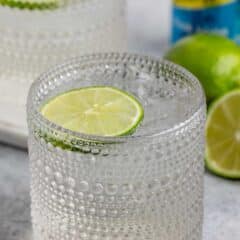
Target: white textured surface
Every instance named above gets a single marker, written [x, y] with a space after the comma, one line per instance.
[148, 33]
[222, 201]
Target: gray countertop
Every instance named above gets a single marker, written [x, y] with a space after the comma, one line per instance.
[222, 201]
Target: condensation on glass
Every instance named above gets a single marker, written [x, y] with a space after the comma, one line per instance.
[145, 186]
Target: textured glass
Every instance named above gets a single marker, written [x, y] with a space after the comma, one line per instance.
[145, 186]
[32, 41]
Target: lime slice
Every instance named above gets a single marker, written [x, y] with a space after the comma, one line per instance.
[101, 111]
[223, 136]
[31, 4]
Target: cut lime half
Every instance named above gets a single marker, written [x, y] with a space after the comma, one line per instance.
[99, 111]
[223, 136]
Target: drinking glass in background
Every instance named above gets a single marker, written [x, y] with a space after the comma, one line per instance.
[145, 186]
[33, 40]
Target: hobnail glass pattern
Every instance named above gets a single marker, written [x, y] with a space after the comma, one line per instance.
[145, 186]
[34, 40]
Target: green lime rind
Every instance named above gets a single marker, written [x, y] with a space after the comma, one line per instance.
[211, 164]
[30, 5]
[213, 59]
[220, 172]
[132, 130]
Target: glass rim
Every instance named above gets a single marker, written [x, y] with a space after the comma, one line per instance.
[35, 113]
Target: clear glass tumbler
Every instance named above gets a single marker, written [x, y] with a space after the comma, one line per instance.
[145, 186]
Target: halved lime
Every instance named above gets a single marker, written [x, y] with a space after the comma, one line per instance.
[99, 110]
[223, 136]
[31, 4]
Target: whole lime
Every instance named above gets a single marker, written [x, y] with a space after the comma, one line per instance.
[213, 59]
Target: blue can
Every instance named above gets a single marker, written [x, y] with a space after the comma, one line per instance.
[237, 37]
[191, 16]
